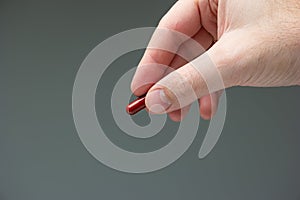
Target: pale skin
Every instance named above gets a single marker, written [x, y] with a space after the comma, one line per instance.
[252, 43]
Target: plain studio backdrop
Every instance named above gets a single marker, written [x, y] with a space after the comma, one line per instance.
[43, 43]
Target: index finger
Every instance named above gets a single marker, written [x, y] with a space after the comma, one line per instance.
[183, 17]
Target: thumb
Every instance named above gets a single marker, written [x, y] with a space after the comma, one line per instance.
[214, 70]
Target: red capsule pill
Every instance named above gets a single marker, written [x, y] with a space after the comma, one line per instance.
[136, 106]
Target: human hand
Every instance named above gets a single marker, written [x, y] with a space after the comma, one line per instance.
[257, 45]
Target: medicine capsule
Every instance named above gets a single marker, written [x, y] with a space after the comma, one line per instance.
[136, 106]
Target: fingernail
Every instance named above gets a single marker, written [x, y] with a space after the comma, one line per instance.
[157, 101]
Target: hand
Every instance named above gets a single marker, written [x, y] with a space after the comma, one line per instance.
[257, 45]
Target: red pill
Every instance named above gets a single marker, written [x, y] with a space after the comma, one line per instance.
[136, 106]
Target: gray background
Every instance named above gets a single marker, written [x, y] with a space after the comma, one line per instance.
[42, 44]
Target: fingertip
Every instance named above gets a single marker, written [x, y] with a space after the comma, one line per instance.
[205, 116]
[146, 75]
[157, 102]
[206, 107]
[174, 116]
[209, 105]
[179, 115]
[141, 90]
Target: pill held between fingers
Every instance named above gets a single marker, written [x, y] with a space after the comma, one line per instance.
[136, 105]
